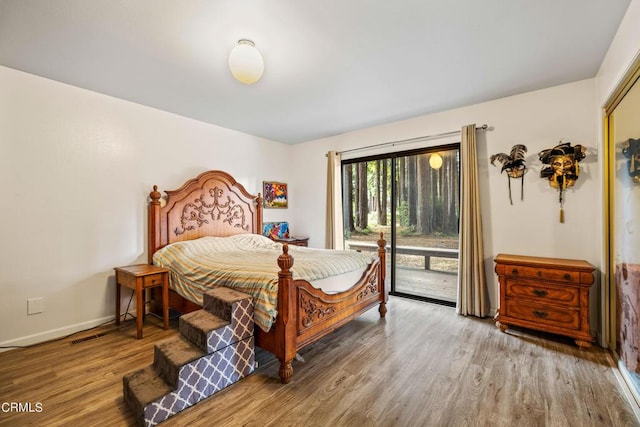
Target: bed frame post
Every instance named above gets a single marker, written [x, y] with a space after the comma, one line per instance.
[258, 229]
[382, 254]
[153, 233]
[286, 320]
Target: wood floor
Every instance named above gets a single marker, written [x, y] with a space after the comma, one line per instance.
[422, 366]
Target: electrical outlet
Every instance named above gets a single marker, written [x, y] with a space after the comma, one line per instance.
[35, 305]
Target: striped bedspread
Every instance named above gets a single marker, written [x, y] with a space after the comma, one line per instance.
[248, 263]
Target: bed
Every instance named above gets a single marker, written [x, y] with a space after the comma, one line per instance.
[214, 204]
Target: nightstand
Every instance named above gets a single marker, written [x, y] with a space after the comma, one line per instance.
[140, 277]
[296, 241]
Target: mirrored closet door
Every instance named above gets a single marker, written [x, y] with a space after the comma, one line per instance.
[622, 144]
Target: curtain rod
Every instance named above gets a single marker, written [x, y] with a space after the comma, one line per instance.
[407, 141]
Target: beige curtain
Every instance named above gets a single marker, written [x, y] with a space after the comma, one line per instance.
[334, 238]
[472, 285]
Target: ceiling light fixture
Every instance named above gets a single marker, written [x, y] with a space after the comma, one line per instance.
[245, 62]
[435, 161]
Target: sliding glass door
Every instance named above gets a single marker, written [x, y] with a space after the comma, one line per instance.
[413, 198]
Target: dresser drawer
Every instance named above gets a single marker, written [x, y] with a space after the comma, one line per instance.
[543, 273]
[541, 314]
[543, 292]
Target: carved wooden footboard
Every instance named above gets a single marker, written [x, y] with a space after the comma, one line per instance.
[306, 314]
[214, 204]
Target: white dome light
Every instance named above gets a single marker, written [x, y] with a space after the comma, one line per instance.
[245, 62]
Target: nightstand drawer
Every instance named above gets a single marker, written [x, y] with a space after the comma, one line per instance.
[542, 314]
[542, 292]
[152, 280]
[543, 273]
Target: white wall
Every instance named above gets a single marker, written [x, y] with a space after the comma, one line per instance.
[76, 168]
[536, 119]
[621, 54]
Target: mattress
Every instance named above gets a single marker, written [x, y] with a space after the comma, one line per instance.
[248, 263]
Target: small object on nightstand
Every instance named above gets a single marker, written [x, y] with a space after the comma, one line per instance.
[140, 277]
[296, 241]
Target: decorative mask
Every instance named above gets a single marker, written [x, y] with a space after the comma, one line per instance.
[561, 168]
[514, 165]
[632, 152]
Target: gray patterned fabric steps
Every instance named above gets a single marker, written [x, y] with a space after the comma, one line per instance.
[215, 349]
[171, 355]
[142, 387]
[196, 326]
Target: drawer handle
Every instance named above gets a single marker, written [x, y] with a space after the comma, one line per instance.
[541, 314]
[567, 276]
[514, 271]
[540, 293]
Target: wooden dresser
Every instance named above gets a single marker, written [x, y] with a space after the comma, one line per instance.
[546, 294]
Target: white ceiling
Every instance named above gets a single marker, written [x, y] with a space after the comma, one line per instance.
[331, 66]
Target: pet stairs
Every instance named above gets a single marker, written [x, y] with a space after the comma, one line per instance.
[215, 349]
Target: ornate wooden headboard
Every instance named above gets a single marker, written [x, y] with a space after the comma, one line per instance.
[212, 204]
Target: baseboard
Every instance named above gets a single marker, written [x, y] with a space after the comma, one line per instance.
[54, 333]
[626, 384]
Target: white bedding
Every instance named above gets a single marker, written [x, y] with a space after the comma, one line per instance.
[339, 283]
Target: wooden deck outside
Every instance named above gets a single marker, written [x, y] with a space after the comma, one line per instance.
[421, 271]
[426, 283]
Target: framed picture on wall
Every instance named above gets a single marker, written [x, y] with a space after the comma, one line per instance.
[275, 194]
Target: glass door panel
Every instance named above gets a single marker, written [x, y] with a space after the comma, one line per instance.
[426, 225]
[413, 198]
[366, 202]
